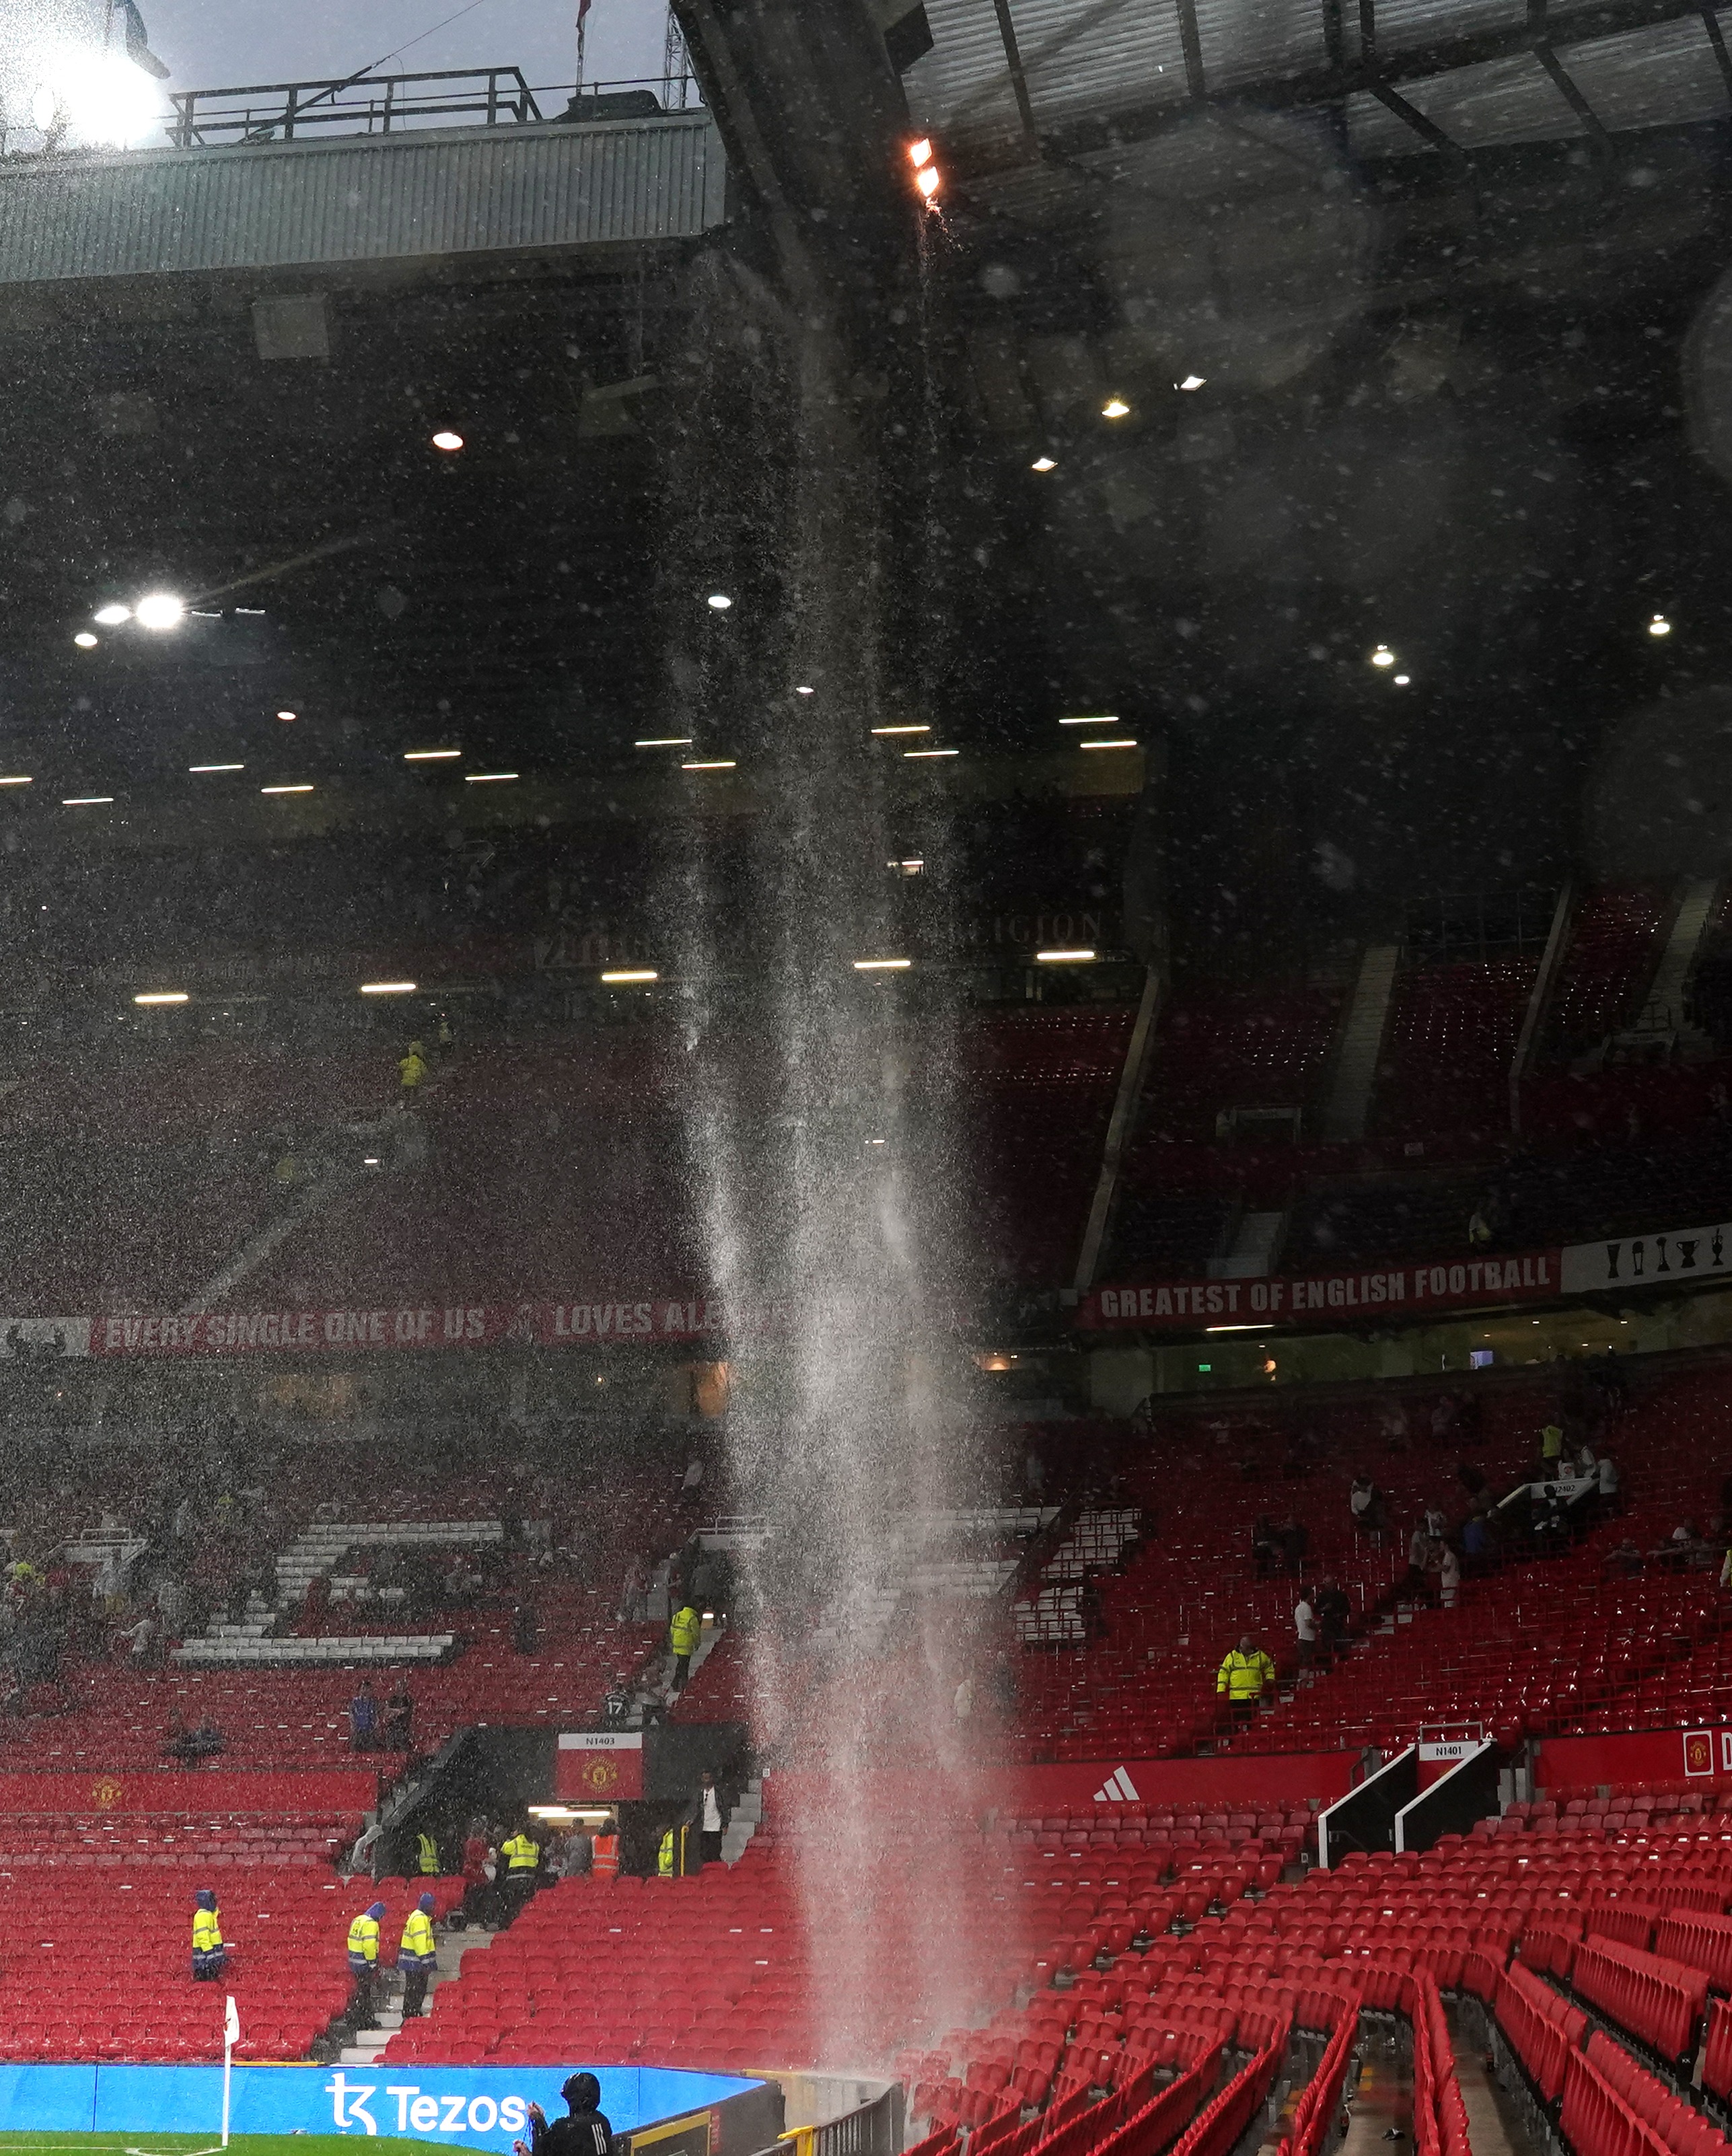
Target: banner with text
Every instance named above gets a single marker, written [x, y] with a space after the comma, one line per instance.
[638, 1322]
[1323, 1298]
[1682, 1257]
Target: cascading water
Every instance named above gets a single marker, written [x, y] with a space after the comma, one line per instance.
[821, 1142]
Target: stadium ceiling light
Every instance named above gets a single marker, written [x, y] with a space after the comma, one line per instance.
[1659, 626]
[1115, 407]
[17, 779]
[488, 777]
[1193, 381]
[160, 610]
[1117, 742]
[804, 691]
[86, 641]
[721, 602]
[913, 754]
[287, 715]
[163, 996]
[664, 741]
[216, 766]
[448, 439]
[877, 1141]
[1044, 464]
[1063, 957]
[1383, 656]
[902, 729]
[387, 988]
[112, 615]
[1400, 680]
[1100, 719]
[369, 1160]
[630, 973]
[430, 754]
[285, 789]
[882, 965]
[716, 763]
[86, 800]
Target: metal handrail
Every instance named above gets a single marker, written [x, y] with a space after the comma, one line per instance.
[373, 104]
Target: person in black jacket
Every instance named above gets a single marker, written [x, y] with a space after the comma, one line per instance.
[585, 2133]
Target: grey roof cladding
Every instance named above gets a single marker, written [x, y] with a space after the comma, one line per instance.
[360, 198]
[1093, 58]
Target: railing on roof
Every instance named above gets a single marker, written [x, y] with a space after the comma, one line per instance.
[386, 103]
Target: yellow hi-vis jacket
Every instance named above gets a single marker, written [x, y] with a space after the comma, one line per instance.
[685, 1631]
[427, 1849]
[524, 1853]
[418, 1949]
[1243, 1676]
[207, 1932]
[665, 1856]
[363, 1941]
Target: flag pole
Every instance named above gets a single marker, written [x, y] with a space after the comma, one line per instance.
[231, 2029]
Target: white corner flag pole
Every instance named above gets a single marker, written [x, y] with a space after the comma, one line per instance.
[231, 2036]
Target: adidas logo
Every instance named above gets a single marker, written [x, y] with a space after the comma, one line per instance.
[1119, 1789]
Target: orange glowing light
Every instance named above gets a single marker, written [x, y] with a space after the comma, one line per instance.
[920, 153]
[927, 181]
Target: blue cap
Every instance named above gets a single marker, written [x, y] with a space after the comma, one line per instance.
[425, 1904]
[377, 1911]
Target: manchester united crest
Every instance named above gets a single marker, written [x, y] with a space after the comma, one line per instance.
[601, 1774]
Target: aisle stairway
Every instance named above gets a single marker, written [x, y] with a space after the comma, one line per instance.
[453, 1947]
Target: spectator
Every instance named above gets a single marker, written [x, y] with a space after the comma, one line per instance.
[417, 1957]
[1305, 1627]
[1091, 1607]
[209, 1954]
[145, 1641]
[1610, 1501]
[1334, 1614]
[1436, 1525]
[1265, 1551]
[1242, 1676]
[411, 1070]
[616, 1701]
[1477, 1549]
[521, 1856]
[1003, 1685]
[1295, 1540]
[962, 1702]
[712, 1819]
[684, 1631]
[400, 1720]
[1449, 1575]
[692, 1483]
[363, 1952]
[1551, 1450]
[1365, 1500]
[605, 1863]
[526, 1626]
[478, 1874]
[584, 2133]
[1627, 1559]
[315, 1603]
[1419, 1558]
[578, 1854]
[364, 1718]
